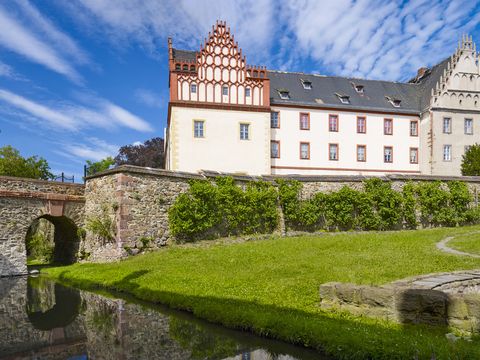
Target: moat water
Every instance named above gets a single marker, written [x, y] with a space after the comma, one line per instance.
[41, 319]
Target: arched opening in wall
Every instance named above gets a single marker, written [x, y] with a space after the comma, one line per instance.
[52, 240]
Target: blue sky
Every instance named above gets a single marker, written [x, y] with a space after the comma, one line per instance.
[80, 78]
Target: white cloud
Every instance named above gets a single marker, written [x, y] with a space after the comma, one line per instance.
[95, 149]
[60, 115]
[17, 38]
[148, 98]
[58, 39]
[126, 118]
[375, 39]
[148, 22]
[6, 70]
[53, 117]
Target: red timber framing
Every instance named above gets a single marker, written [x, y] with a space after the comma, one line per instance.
[218, 64]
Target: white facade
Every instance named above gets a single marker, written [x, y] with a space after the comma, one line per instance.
[347, 138]
[217, 88]
[220, 148]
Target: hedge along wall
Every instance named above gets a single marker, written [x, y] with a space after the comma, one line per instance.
[138, 202]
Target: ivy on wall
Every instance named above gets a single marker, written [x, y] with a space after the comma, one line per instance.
[221, 208]
[218, 208]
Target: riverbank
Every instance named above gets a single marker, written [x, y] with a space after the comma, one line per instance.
[270, 287]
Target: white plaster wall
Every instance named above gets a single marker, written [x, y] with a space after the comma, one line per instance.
[221, 149]
[347, 138]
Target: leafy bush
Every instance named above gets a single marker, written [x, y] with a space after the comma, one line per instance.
[471, 161]
[221, 208]
[102, 227]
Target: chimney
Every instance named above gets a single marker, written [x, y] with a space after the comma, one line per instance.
[421, 72]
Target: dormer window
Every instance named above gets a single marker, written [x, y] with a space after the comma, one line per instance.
[344, 99]
[358, 88]
[284, 94]
[395, 102]
[307, 85]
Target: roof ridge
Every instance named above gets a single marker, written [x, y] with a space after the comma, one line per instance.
[339, 77]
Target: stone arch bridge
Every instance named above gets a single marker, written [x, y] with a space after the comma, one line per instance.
[22, 201]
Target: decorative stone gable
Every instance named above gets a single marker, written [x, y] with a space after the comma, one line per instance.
[218, 74]
[459, 85]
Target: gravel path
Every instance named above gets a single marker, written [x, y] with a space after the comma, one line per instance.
[442, 245]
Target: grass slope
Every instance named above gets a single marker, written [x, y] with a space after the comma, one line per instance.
[469, 243]
[271, 287]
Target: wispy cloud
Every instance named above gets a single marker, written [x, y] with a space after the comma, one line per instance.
[148, 98]
[17, 38]
[377, 39]
[54, 118]
[93, 149]
[8, 72]
[56, 37]
[62, 115]
[149, 22]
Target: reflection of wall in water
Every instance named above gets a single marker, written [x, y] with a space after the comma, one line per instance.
[18, 336]
[128, 331]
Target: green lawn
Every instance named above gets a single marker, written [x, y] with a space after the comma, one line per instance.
[271, 287]
[469, 243]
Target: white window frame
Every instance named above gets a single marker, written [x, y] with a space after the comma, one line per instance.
[275, 144]
[334, 153]
[193, 88]
[470, 128]
[198, 132]
[413, 150]
[447, 125]
[447, 152]
[248, 92]
[244, 131]
[364, 154]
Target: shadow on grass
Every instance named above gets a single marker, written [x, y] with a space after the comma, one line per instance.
[335, 334]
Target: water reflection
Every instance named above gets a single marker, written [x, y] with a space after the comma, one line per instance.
[40, 319]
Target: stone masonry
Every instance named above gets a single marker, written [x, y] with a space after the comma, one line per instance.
[445, 299]
[135, 201]
[24, 200]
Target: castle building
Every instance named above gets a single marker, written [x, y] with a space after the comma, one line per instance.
[225, 115]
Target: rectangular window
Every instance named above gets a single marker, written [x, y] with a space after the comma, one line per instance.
[387, 154]
[304, 121]
[447, 152]
[247, 92]
[198, 128]
[333, 123]
[413, 155]
[388, 126]
[467, 147]
[468, 126]
[275, 120]
[224, 90]
[304, 150]
[193, 88]
[361, 124]
[333, 151]
[244, 131]
[447, 125]
[414, 128]
[361, 153]
[275, 149]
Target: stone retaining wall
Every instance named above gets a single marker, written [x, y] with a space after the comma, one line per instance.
[14, 184]
[137, 200]
[438, 299]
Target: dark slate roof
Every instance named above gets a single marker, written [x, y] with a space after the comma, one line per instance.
[184, 54]
[325, 88]
[414, 95]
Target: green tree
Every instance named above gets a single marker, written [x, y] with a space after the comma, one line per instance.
[94, 167]
[471, 161]
[13, 164]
